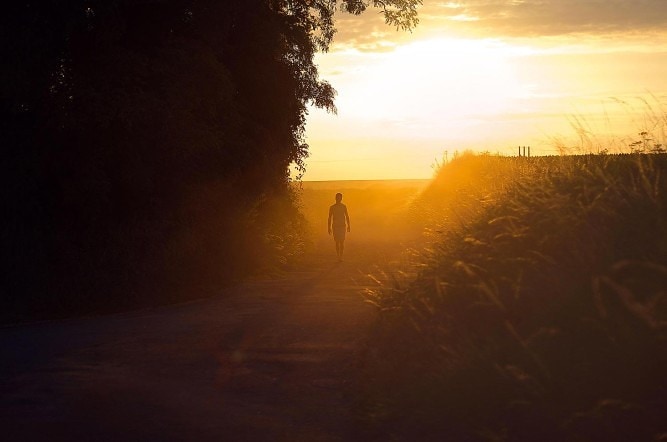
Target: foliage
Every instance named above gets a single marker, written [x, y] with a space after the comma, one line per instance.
[148, 142]
[540, 314]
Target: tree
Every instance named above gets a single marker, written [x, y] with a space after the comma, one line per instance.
[146, 139]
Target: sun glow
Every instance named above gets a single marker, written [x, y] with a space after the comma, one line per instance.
[396, 108]
[401, 106]
[447, 80]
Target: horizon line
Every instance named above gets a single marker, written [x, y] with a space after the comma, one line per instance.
[363, 179]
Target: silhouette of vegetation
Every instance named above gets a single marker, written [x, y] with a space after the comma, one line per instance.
[147, 143]
[538, 310]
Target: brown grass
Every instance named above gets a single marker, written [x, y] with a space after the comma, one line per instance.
[538, 311]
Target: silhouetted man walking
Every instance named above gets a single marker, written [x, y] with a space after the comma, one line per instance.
[338, 214]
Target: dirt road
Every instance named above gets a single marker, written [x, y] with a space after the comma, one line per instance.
[267, 360]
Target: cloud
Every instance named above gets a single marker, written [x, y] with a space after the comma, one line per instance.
[509, 18]
[555, 17]
[366, 32]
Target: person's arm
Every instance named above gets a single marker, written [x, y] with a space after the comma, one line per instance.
[347, 217]
[329, 220]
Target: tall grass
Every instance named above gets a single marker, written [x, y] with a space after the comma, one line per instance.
[646, 114]
[537, 313]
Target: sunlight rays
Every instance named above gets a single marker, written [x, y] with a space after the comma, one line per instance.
[439, 80]
[404, 101]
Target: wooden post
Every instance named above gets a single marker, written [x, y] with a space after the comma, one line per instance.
[528, 151]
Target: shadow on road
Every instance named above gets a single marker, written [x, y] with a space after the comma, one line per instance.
[266, 360]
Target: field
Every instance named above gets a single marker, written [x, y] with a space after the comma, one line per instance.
[378, 214]
[535, 309]
[508, 299]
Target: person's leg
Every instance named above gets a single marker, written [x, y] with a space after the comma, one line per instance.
[342, 247]
[339, 249]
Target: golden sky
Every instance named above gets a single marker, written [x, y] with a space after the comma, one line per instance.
[487, 75]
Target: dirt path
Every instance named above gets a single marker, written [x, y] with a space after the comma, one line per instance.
[268, 360]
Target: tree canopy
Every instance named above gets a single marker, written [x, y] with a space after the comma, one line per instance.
[142, 135]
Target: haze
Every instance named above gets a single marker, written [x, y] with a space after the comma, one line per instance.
[486, 76]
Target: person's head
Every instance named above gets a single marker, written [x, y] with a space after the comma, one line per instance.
[339, 197]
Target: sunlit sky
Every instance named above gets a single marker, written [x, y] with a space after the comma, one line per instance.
[487, 75]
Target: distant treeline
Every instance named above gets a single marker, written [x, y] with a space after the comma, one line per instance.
[538, 309]
[146, 146]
